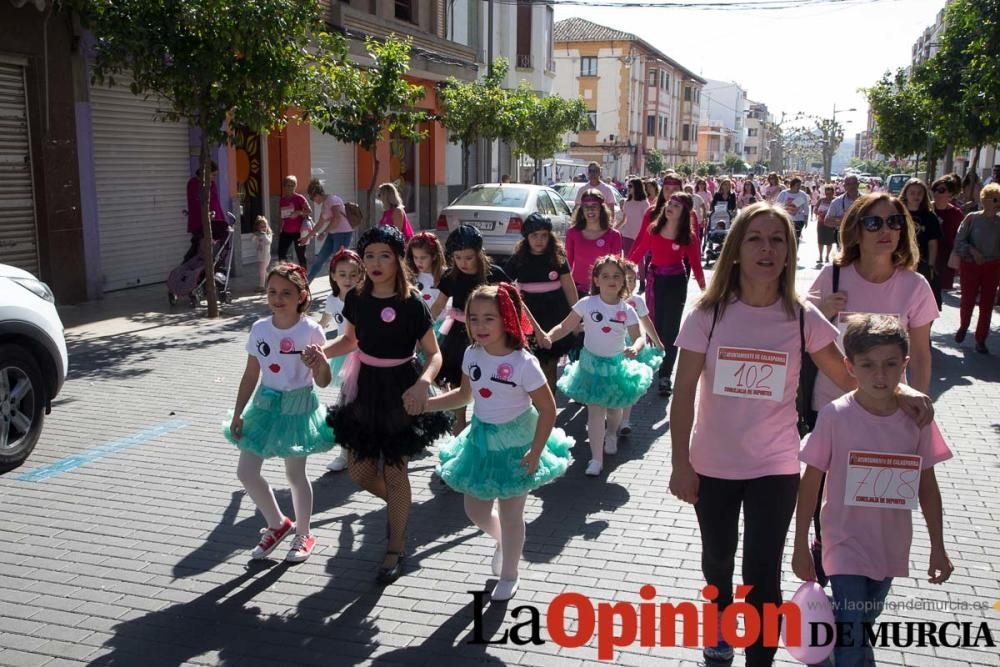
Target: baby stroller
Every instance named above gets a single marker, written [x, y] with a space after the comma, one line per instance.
[718, 225]
[188, 279]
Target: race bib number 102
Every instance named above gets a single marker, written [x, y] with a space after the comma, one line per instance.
[748, 373]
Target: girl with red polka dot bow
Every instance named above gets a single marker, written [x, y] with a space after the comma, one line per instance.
[511, 446]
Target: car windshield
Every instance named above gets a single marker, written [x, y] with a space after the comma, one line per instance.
[567, 190]
[494, 195]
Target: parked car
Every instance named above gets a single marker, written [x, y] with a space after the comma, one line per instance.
[498, 211]
[568, 192]
[895, 183]
[33, 362]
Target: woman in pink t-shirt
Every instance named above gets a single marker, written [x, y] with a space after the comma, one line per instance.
[294, 209]
[743, 344]
[394, 211]
[590, 237]
[633, 209]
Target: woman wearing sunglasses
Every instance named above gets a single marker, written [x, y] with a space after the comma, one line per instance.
[943, 191]
[875, 273]
[978, 246]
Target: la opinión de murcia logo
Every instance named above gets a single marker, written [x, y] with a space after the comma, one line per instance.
[655, 624]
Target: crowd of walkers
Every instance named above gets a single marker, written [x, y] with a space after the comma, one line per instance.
[768, 366]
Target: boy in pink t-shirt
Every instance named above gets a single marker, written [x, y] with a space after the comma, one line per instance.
[879, 466]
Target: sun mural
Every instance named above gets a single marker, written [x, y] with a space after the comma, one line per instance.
[248, 162]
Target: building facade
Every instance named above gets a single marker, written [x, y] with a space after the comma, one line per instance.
[639, 99]
[715, 141]
[757, 144]
[725, 102]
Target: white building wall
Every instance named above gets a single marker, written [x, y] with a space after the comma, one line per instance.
[725, 102]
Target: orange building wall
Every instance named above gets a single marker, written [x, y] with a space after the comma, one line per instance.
[288, 153]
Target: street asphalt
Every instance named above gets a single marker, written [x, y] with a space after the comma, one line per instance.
[125, 537]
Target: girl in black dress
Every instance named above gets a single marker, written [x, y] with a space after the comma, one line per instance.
[468, 267]
[542, 273]
[383, 391]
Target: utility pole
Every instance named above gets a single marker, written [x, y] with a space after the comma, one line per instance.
[489, 66]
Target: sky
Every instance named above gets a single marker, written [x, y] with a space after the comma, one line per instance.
[802, 60]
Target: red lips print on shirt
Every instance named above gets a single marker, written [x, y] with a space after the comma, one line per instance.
[606, 329]
[485, 393]
[274, 368]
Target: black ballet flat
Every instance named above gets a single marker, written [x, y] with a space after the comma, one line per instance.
[387, 575]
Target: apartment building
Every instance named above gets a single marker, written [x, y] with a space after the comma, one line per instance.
[757, 144]
[725, 102]
[639, 98]
[715, 141]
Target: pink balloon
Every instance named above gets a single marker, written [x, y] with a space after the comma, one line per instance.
[814, 608]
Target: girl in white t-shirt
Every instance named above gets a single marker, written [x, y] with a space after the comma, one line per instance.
[425, 257]
[285, 418]
[511, 446]
[607, 377]
[346, 272]
[651, 355]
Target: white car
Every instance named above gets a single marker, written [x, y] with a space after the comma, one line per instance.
[33, 362]
[568, 192]
[499, 209]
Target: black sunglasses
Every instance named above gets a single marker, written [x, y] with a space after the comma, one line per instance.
[873, 223]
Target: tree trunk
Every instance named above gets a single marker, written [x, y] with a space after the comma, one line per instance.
[949, 159]
[975, 160]
[538, 171]
[931, 169]
[370, 199]
[465, 165]
[206, 228]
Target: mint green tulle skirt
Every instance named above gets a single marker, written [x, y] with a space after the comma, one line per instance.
[610, 382]
[283, 424]
[484, 460]
[649, 356]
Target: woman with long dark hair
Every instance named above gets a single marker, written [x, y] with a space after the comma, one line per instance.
[633, 209]
[671, 238]
[917, 200]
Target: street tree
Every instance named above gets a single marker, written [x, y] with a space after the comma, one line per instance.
[654, 162]
[219, 64]
[829, 135]
[734, 164]
[474, 110]
[375, 103]
[541, 122]
[901, 118]
[685, 168]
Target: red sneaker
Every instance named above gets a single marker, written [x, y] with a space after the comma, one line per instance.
[302, 546]
[271, 538]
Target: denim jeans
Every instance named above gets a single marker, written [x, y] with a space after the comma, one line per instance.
[332, 244]
[857, 600]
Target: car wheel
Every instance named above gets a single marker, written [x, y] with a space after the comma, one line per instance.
[22, 402]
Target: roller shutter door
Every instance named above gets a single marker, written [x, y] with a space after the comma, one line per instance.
[141, 167]
[18, 234]
[333, 163]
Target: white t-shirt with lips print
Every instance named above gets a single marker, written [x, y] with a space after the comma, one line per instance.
[605, 325]
[638, 301]
[334, 307]
[501, 385]
[279, 352]
[429, 293]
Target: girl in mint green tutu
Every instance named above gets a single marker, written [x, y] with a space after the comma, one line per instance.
[652, 354]
[607, 377]
[346, 273]
[284, 419]
[511, 446]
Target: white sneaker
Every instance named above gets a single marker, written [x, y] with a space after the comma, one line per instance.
[496, 565]
[610, 444]
[339, 462]
[593, 468]
[625, 428]
[504, 590]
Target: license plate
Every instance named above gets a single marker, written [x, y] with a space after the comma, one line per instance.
[481, 225]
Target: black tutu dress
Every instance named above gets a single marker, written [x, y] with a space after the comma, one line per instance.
[459, 286]
[372, 423]
[549, 308]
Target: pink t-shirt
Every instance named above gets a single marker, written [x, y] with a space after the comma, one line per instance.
[387, 221]
[333, 209]
[633, 212]
[868, 541]
[293, 211]
[581, 252]
[906, 294]
[737, 437]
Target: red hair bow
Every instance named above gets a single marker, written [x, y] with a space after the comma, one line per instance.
[344, 253]
[429, 237]
[515, 322]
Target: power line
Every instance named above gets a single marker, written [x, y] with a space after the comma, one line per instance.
[736, 5]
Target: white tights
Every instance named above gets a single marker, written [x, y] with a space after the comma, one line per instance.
[507, 528]
[600, 421]
[248, 472]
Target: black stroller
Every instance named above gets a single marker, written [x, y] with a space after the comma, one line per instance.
[188, 279]
[718, 226]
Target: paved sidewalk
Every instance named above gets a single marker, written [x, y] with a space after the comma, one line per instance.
[134, 551]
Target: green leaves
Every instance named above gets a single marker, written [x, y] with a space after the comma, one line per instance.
[541, 122]
[654, 162]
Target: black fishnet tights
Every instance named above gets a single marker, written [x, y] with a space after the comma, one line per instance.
[391, 483]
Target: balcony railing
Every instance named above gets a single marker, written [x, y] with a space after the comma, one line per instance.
[524, 60]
